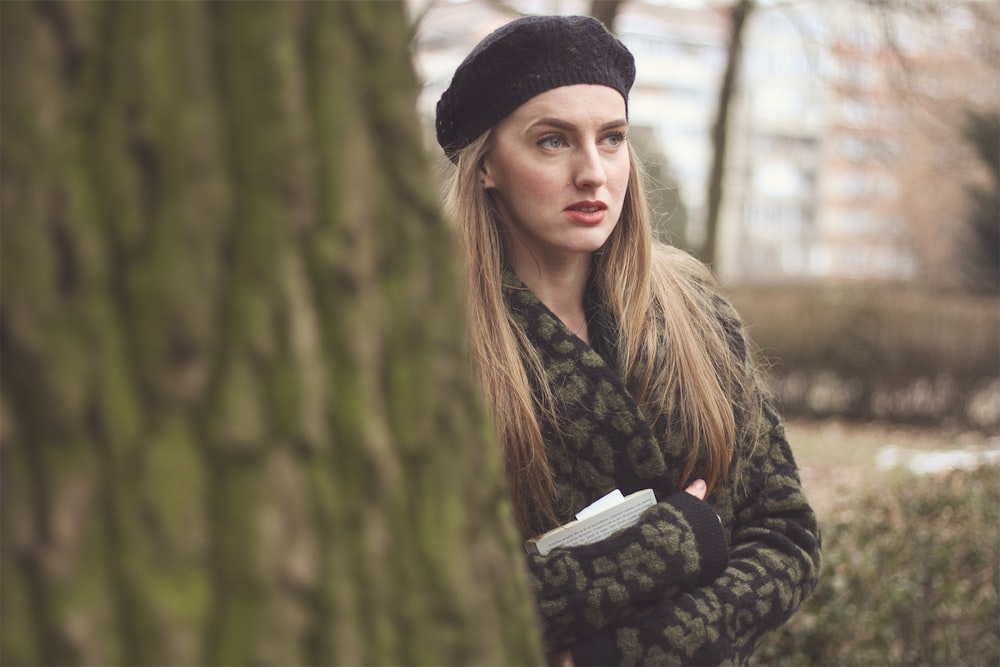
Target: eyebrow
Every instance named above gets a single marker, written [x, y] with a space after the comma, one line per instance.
[560, 124]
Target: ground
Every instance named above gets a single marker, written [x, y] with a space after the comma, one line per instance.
[838, 458]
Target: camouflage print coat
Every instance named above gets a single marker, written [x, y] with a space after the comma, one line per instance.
[680, 587]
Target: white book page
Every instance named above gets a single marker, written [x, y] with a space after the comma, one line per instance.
[601, 503]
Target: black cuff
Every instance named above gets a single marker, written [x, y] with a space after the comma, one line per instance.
[598, 650]
[709, 534]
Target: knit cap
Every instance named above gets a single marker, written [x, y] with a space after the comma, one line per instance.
[524, 58]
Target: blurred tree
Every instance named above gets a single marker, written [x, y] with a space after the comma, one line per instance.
[738, 14]
[939, 60]
[237, 422]
[663, 190]
[606, 11]
[982, 237]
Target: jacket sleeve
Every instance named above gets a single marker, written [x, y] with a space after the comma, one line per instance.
[676, 545]
[774, 564]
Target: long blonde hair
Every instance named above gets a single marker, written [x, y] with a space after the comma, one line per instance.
[672, 348]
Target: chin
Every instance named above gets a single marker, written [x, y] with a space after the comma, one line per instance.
[595, 240]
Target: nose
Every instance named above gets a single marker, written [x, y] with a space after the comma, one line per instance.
[589, 170]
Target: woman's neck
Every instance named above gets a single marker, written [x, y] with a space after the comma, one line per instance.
[561, 288]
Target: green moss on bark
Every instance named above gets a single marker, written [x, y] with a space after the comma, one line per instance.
[233, 350]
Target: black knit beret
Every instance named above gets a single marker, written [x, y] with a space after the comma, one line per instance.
[522, 59]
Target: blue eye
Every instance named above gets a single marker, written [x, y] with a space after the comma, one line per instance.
[615, 138]
[552, 141]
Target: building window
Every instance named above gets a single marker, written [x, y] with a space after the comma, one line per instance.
[779, 179]
[775, 217]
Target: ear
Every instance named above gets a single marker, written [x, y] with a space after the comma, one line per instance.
[486, 173]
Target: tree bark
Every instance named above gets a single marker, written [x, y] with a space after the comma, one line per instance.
[738, 14]
[238, 426]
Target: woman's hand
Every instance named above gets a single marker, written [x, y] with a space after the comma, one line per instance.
[561, 658]
[697, 489]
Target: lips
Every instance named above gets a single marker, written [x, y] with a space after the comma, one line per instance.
[587, 212]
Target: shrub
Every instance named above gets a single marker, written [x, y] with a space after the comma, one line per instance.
[892, 353]
[910, 577]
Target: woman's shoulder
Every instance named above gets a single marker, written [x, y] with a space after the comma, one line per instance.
[681, 271]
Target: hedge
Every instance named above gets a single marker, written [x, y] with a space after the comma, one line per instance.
[890, 353]
[910, 577]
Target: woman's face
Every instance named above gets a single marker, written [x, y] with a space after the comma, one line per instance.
[558, 172]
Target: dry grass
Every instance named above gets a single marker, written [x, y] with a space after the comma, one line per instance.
[837, 458]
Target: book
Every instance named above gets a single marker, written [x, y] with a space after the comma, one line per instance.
[595, 522]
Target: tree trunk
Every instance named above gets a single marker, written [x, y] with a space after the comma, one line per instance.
[237, 421]
[606, 11]
[738, 14]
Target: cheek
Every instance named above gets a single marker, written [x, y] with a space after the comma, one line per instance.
[535, 184]
[618, 178]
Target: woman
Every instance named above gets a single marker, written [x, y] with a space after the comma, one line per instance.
[610, 362]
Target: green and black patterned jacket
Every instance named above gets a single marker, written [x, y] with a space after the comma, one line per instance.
[680, 587]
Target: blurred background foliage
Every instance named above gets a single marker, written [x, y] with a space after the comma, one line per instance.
[879, 352]
[910, 577]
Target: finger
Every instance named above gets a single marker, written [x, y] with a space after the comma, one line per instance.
[697, 489]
